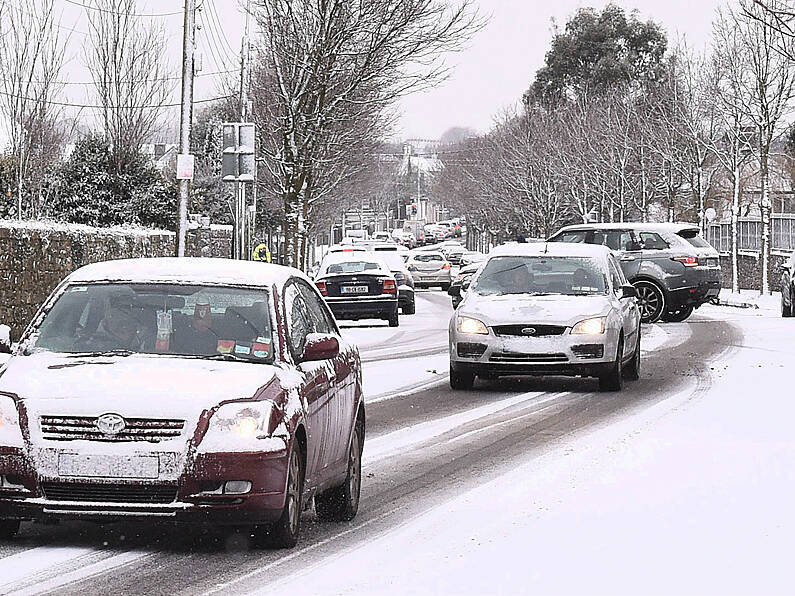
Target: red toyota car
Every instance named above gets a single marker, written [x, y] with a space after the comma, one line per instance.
[203, 391]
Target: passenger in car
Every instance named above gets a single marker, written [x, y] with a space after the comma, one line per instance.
[198, 337]
[118, 329]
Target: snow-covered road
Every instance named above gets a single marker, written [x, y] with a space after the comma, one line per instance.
[520, 486]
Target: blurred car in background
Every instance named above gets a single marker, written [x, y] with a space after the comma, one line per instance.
[471, 256]
[358, 285]
[452, 250]
[381, 237]
[429, 268]
[461, 282]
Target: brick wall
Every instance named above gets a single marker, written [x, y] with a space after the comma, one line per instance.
[35, 256]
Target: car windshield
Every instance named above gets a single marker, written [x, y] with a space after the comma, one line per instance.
[694, 239]
[152, 318]
[353, 266]
[538, 275]
[428, 258]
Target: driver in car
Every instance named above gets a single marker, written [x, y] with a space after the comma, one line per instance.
[118, 329]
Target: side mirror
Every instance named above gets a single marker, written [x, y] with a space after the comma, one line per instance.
[5, 339]
[320, 346]
[629, 291]
[454, 290]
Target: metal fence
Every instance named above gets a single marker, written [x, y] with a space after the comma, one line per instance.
[749, 234]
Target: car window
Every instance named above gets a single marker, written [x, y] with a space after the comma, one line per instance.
[613, 239]
[692, 236]
[352, 266]
[318, 317]
[428, 258]
[299, 321]
[573, 236]
[542, 275]
[616, 275]
[652, 241]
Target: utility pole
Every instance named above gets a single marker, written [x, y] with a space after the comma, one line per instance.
[188, 47]
[241, 211]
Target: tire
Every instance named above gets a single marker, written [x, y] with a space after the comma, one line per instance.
[461, 379]
[393, 319]
[8, 528]
[613, 380]
[445, 287]
[284, 532]
[342, 502]
[632, 370]
[786, 309]
[409, 309]
[678, 315]
[651, 300]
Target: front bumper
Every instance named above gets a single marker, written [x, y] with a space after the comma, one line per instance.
[193, 498]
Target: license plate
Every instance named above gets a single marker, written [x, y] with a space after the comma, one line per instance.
[354, 289]
[108, 466]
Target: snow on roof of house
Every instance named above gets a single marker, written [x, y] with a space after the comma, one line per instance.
[186, 270]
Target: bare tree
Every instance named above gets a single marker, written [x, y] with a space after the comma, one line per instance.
[330, 64]
[126, 57]
[31, 57]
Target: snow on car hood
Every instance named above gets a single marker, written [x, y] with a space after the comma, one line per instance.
[555, 309]
[133, 386]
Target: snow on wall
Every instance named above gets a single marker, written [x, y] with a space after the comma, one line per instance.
[36, 255]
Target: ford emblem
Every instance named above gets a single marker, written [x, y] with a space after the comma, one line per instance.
[529, 331]
[110, 424]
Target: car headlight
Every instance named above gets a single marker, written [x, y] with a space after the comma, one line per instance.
[10, 433]
[595, 326]
[236, 425]
[470, 325]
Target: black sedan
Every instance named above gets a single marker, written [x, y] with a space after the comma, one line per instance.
[358, 285]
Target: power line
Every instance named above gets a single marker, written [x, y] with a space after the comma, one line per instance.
[113, 12]
[220, 29]
[98, 107]
[90, 83]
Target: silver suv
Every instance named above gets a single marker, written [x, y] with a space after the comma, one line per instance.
[673, 268]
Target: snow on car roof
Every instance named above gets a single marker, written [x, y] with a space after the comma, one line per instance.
[651, 226]
[186, 270]
[552, 249]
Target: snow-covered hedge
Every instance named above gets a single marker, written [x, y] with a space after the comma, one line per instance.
[36, 255]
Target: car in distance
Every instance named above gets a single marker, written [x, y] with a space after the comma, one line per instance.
[547, 309]
[452, 251]
[471, 256]
[787, 286]
[381, 237]
[429, 268]
[358, 285]
[672, 267]
[461, 280]
[198, 391]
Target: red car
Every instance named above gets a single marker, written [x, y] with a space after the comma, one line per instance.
[203, 391]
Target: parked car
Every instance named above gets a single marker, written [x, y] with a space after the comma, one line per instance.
[358, 286]
[429, 268]
[547, 309]
[461, 282]
[673, 268]
[382, 237]
[199, 391]
[787, 287]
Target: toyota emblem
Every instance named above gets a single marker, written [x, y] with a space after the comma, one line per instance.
[110, 424]
[529, 331]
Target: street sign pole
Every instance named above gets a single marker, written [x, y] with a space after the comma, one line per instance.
[188, 42]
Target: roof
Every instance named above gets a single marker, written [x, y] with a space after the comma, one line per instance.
[186, 270]
[552, 249]
[633, 225]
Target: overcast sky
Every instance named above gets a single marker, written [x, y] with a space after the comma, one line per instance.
[488, 77]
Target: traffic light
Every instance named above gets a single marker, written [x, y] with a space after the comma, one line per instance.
[237, 163]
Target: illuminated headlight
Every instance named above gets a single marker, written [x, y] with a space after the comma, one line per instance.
[469, 325]
[236, 423]
[10, 433]
[594, 326]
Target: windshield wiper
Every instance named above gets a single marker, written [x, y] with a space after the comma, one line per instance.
[118, 352]
[228, 357]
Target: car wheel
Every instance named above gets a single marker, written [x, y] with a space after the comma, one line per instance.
[460, 379]
[678, 315]
[8, 528]
[393, 319]
[632, 371]
[409, 309]
[612, 380]
[786, 309]
[284, 532]
[651, 300]
[445, 287]
[342, 502]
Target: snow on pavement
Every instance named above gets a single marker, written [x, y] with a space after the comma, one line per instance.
[690, 495]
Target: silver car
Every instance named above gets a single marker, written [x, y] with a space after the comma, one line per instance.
[429, 268]
[547, 309]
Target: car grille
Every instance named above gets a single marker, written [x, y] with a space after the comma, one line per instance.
[70, 428]
[109, 493]
[539, 330]
[516, 357]
[589, 350]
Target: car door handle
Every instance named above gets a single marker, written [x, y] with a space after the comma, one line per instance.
[626, 258]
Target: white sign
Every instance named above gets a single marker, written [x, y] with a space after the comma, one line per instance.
[185, 166]
[710, 214]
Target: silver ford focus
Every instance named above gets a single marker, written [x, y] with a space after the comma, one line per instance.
[547, 309]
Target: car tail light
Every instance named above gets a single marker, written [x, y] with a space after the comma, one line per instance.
[389, 286]
[687, 261]
[446, 266]
[321, 285]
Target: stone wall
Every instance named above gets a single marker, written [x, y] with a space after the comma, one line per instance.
[749, 266]
[35, 256]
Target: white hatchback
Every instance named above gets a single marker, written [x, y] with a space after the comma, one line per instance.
[547, 309]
